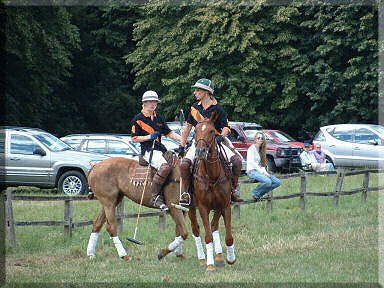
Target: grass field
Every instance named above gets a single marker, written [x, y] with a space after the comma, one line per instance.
[323, 244]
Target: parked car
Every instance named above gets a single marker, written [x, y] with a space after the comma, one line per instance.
[279, 156]
[352, 145]
[109, 144]
[34, 157]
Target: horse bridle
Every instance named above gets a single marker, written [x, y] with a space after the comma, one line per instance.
[208, 145]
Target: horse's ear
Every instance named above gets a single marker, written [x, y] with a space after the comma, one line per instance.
[214, 116]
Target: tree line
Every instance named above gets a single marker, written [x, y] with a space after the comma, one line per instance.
[83, 69]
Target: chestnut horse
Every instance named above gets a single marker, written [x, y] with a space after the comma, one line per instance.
[212, 188]
[111, 180]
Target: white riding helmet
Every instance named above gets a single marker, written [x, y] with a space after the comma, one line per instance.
[150, 96]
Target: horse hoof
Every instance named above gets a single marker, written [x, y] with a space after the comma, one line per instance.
[181, 257]
[203, 263]
[219, 260]
[231, 262]
[126, 258]
[163, 253]
[210, 268]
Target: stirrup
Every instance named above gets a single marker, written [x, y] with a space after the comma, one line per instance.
[185, 199]
[161, 203]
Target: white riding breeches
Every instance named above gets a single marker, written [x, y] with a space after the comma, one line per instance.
[157, 159]
[191, 152]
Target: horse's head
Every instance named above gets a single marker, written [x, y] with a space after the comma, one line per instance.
[205, 136]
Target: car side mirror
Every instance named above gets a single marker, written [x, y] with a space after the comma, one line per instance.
[39, 151]
[240, 138]
[372, 142]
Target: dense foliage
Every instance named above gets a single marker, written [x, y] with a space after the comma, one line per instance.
[84, 69]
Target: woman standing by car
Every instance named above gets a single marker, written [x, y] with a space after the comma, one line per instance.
[256, 163]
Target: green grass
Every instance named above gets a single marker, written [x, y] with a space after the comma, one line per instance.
[323, 244]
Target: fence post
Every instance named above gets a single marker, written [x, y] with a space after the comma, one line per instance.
[236, 206]
[119, 216]
[270, 202]
[10, 223]
[303, 190]
[68, 217]
[365, 187]
[162, 222]
[339, 184]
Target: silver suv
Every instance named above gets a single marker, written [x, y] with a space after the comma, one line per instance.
[34, 157]
[352, 145]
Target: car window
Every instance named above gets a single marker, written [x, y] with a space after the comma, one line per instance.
[73, 142]
[250, 134]
[51, 142]
[21, 144]
[234, 135]
[363, 135]
[119, 147]
[95, 146]
[342, 134]
[319, 136]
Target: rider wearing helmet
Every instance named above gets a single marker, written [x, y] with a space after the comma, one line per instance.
[204, 107]
[148, 126]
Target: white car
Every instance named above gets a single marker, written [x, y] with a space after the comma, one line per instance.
[352, 145]
[113, 145]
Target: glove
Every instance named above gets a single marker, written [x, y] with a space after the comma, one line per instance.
[219, 139]
[180, 151]
[154, 135]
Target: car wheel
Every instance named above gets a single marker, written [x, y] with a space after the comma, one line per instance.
[72, 183]
[271, 164]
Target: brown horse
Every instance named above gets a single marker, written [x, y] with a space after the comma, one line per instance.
[114, 178]
[212, 186]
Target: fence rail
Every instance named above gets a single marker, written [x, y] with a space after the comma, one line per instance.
[68, 223]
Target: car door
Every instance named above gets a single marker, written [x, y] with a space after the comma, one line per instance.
[368, 150]
[22, 165]
[340, 145]
[239, 142]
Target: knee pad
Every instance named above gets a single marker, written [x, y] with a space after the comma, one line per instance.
[185, 168]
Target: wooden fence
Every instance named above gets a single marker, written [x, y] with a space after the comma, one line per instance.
[69, 224]
[341, 174]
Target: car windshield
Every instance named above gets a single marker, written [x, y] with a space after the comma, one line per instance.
[282, 137]
[52, 142]
[251, 134]
[379, 129]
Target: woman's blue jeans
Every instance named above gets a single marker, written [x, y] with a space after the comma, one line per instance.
[266, 184]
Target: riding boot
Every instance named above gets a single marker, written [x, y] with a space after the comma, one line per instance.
[157, 183]
[185, 172]
[236, 170]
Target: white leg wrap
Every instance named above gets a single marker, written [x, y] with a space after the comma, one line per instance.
[120, 249]
[231, 253]
[199, 247]
[92, 244]
[178, 240]
[179, 250]
[216, 242]
[209, 247]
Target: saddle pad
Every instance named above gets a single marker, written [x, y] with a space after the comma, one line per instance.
[141, 173]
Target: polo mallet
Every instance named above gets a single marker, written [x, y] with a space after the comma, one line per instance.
[181, 134]
[142, 197]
